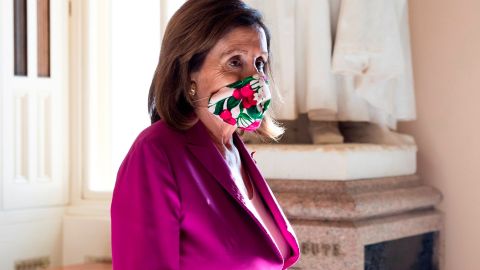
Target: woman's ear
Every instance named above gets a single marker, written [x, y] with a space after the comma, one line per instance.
[193, 88]
[194, 77]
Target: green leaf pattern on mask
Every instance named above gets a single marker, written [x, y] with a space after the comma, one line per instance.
[254, 113]
[244, 120]
[247, 115]
[219, 107]
[266, 104]
[242, 83]
[232, 103]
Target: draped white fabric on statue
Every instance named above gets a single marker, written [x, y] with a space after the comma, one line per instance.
[342, 60]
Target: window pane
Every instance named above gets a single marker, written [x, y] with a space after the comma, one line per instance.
[20, 37]
[43, 37]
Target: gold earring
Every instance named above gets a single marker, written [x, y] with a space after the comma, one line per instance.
[193, 89]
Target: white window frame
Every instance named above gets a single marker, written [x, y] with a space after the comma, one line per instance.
[80, 196]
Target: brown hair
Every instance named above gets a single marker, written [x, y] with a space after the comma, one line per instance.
[190, 34]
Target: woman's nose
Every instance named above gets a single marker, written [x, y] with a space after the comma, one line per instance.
[251, 70]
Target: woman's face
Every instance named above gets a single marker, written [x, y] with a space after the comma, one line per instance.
[239, 54]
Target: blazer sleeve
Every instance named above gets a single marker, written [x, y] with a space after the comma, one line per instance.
[145, 212]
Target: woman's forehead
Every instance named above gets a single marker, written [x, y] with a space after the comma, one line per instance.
[242, 40]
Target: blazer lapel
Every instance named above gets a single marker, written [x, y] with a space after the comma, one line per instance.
[201, 145]
[270, 200]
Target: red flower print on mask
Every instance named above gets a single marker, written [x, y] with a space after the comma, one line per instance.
[236, 94]
[249, 102]
[226, 115]
[246, 91]
[246, 95]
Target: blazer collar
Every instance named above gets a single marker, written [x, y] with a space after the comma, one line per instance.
[201, 145]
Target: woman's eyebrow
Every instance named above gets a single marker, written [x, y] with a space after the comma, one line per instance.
[226, 53]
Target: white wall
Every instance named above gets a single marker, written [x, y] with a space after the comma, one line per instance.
[85, 238]
[31, 233]
[445, 38]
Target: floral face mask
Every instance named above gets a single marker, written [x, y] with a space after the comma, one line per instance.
[242, 103]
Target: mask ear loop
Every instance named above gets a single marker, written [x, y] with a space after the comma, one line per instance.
[198, 99]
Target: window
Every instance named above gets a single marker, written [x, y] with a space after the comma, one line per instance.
[120, 45]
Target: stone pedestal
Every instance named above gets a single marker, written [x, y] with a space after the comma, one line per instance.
[364, 223]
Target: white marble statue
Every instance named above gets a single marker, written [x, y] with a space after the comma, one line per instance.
[343, 63]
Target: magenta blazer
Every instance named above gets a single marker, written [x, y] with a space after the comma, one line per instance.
[176, 206]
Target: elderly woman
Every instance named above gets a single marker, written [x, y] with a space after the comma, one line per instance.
[188, 194]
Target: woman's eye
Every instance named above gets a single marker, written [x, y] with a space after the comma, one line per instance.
[235, 63]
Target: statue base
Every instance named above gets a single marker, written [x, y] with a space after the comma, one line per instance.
[378, 223]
